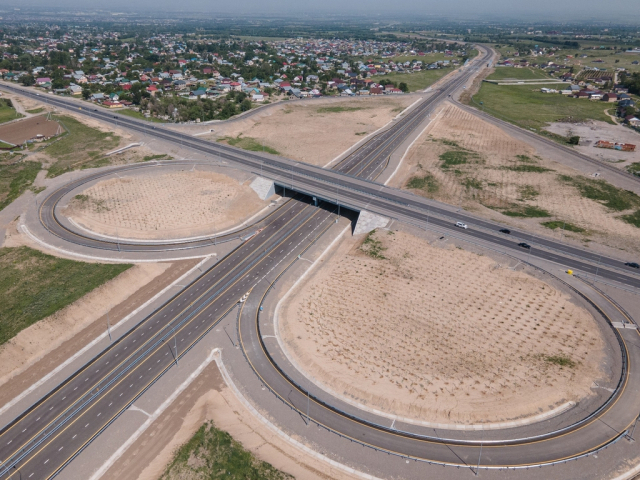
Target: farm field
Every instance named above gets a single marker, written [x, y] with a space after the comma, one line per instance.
[462, 341]
[23, 130]
[156, 205]
[526, 73]
[527, 107]
[594, 56]
[462, 160]
[415, 81]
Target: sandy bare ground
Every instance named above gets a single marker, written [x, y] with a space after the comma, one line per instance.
[36, 341]
[22, 130]
[208, 399]
[439, 334]
[591, 132]
[499, 186]
[168, 205]
[304, 131]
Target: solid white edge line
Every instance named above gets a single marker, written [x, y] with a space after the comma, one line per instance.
[406, 152]
[151, 418]
[277, 431]
[629, 474]
[170, 240]
[107, 259]
[356, 145]
[102, 336]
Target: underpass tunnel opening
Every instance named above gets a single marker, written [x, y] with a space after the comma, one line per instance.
[328, 204]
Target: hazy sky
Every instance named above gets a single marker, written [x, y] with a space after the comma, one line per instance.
[549, 10]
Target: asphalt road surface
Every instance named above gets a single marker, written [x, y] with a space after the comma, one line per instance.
[44, 439]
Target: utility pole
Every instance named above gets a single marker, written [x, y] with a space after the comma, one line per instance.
[175, 343]
[479, 457]
[597, 268]
[109, 325]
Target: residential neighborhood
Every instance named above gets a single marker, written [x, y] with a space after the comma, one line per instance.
[184, 78]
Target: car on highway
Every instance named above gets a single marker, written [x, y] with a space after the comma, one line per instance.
[461, 225]
[632, 265]
[524, 245]
[505, 230]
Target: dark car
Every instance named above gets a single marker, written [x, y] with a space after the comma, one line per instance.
[505, 230]
[524, 245]
[632, 265]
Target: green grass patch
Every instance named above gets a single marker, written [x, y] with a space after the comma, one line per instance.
[570, 227]
[632, 219]
[36, 110]
[372, 247]
[560, 360]
[15, 177]
[457, 157]
[7, 112]
[416, 80]
[527, 192]
[427, 183]
[527, 168]
[34, 285]
[613, 198]
[6, 145]
[526, 73]
[338, 109]
[82, 144]
[163, 156]
[212, 453]
[100, 162]
[472, 183]
[136, 114]
[634, 168]
[528, 211]
[526, 106]
[248, 143]
[525, 159]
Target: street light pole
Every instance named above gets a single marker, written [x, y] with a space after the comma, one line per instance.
[109, 325]
[175, 343]
[597, 268]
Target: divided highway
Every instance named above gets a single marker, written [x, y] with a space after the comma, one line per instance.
[40, 442]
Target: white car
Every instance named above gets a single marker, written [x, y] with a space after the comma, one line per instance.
[461, 225]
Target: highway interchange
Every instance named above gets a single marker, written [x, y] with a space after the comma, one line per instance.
[39, 443]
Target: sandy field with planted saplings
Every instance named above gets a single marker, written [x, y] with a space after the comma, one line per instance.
[439, 334]
[165, 205]
[462, 160]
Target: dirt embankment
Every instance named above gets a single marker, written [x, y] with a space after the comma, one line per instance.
[316, 132]
[439, 334]
[44, 336]
[168, 205]
[462, 160]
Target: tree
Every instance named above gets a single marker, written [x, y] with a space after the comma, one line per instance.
[245, 105]
[574, 140]
[403, 87]
[27, 80]
[86, 93]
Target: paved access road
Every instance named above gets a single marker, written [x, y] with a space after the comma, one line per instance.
[356, 191]
[48, 436]
[85, 404]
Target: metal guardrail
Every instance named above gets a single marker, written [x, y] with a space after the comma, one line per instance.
[611, 398]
